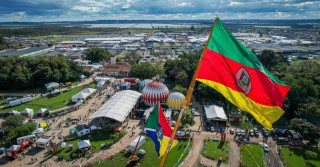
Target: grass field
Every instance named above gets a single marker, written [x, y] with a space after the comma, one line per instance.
[214, 149]
[296, 62]
[257, 153]
[298, 158]
[92, 85]
[151, 158]
[52, 38]
[96, 140]
[48, 103]
[2, 101]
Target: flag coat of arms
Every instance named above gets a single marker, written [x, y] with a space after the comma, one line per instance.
[159, 130]
[234, 71]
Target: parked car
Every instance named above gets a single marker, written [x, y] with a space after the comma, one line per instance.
[265, 132]
[231, 131]
[256, 132]
[222, 130]
[243, 133]
[210, 128]
[251, 133]
[265, 147]
[238, 132]
[180, 133]
[193, 111]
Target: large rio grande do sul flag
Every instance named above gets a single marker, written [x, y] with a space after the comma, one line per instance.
[159, 130]
[234, 71]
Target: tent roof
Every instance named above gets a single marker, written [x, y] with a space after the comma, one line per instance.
[38, 130]
[214, 112]
[84, 144]
[55, 91]
[84, 93]
[27, 110]
[118, 106]
[42, 110]
[14, 112]
[51, 85]
[13, 147]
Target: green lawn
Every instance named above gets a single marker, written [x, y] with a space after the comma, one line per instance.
[298, 158]
[150, 158]
[96, 140]
[257, 153]
[48, 103]
[213, 149]
[92, 85]
[2, 101]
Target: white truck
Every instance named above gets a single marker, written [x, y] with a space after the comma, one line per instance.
[135, 141]
[26, 138]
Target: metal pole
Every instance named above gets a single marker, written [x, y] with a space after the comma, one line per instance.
[187, 99]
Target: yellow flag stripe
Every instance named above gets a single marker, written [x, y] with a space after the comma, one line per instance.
[265, 115]
[164, 143]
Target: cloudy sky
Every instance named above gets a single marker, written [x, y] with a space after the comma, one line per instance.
[80, 10]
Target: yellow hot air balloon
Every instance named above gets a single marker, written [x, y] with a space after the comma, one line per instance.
[175, 100]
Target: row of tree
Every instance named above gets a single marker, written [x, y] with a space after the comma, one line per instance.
[34, 72]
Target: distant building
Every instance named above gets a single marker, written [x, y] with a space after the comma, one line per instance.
[33, 51]
[117, 69]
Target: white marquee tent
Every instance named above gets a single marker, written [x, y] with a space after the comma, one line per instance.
[214, 112]
[118, 106]
[83, 94]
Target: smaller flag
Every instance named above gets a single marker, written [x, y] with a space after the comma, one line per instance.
[159, 130]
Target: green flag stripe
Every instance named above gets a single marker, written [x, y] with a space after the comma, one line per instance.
[153, 119]
[225, 43]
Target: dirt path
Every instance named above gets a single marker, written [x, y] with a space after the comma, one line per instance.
[234, 154]
[195, 151]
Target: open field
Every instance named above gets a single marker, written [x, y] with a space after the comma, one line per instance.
[150, 158]
[252, 155]
[215, 148]
[52, 103]
[298, 157]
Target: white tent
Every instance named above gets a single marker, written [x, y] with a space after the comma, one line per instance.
[100, 84]
[214, 112]
[118, 106]
[84, 144]
[42, 111]
[27, 112]
[88, 90]
[51, 85]
[14, 148]
[38, 130]
[55, 91]
[14, 112]
[83, 94]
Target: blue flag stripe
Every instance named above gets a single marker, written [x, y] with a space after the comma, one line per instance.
[153, 136]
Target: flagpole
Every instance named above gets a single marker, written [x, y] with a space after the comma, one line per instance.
[144, 127]
[187, 98]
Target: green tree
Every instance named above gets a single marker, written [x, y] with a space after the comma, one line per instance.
[182, 78]
[21, 130]
[269, 59]
[2, 40]
[12, 122]
[96, 55]
[306, 129]
[180, 89]
[145, 71]
[246, 126]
